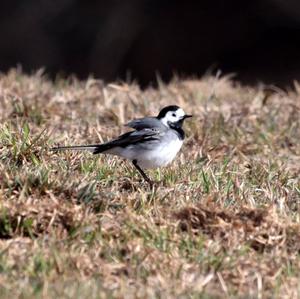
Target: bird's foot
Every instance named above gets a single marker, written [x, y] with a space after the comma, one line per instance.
[153, 184]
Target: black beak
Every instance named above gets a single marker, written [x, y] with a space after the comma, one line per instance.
[187, 116]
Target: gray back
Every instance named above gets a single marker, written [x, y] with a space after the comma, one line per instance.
[145, 123]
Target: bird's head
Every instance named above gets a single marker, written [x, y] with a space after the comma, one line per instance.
[172, 116]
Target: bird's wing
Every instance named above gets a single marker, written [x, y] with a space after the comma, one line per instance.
[145, 123]
[130, 138]
[134, 137]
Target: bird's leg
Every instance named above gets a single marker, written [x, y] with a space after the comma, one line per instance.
[146, 178]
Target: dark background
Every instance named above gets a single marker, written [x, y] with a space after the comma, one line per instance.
[259, 39]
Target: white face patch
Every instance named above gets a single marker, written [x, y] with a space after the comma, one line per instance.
[173, 116]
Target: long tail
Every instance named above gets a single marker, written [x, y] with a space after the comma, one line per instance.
[94, 148]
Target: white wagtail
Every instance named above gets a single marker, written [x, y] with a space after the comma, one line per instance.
[155, 141]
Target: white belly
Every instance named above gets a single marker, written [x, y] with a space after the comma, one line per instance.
[160, 156]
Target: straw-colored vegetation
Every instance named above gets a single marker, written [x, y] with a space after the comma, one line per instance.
[222, 222]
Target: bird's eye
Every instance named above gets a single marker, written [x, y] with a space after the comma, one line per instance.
[174, 114]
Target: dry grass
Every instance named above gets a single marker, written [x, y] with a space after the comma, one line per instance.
[224, 222]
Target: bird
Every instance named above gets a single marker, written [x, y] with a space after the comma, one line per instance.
[154, 142]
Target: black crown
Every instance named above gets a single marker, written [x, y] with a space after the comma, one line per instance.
[165, 110]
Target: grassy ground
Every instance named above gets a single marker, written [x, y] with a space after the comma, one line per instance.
[223, 222]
